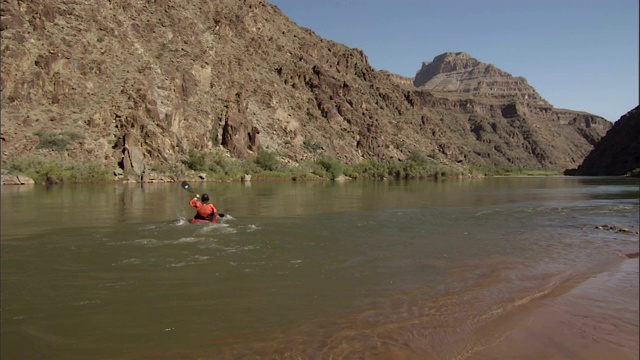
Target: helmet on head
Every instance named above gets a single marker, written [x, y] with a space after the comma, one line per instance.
[205, 197]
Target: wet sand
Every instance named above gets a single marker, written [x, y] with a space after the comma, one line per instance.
[599, 319]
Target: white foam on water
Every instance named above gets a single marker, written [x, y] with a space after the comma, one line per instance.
[211, 245]
[149, 226]
[188, 240]
[133, 261]
[192, 260]
[218, 227]
[117, 284]
[87, 302]
[180, 222]
[147, 242]
[180, 264]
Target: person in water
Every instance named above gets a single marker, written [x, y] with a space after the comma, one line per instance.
[205, 211]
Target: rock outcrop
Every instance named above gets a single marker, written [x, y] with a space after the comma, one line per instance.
[10, 179]
[618, 152]
[459, 72]
[146, 82]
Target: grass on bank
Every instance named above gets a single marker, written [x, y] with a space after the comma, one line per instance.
[266, 165]
[511, 171]
[40, 169]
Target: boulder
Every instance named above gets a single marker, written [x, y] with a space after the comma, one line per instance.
[9, 179]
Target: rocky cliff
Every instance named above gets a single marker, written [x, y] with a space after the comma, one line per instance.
[145, 81]
[460, 72]
[618, 153]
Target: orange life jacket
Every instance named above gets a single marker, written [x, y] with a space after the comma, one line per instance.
[205, 211]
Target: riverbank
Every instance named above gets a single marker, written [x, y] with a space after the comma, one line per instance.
[265, 165]
[598, 319]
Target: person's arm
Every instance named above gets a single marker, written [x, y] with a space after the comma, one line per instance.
[195, 203]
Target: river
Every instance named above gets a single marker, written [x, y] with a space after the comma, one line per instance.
[448, 269]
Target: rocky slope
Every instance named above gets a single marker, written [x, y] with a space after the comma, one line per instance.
[618, 153]
[460, 72]
[146, 81]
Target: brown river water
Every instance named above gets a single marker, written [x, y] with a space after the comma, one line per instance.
[495, 268]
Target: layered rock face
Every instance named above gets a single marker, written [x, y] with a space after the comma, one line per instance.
[146, 82]
[459, 72]
[618, 153]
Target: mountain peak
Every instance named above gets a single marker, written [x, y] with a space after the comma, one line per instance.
[460, 72]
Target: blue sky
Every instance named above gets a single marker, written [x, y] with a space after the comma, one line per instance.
[578, 54]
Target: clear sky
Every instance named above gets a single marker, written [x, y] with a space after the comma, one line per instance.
[578, 54]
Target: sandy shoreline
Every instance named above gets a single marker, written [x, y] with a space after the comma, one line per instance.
[599, 319]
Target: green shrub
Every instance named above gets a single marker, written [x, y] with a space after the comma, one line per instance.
[267, 161]
[89, 171]
[330, 166]
[369, 168]
[304, 170]
[510, 170]
[634, 173]
[196, 160]
[56, 141]
[236, 168]
[350, 171]
[215, 163]
[26, 165]
[41, 169]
